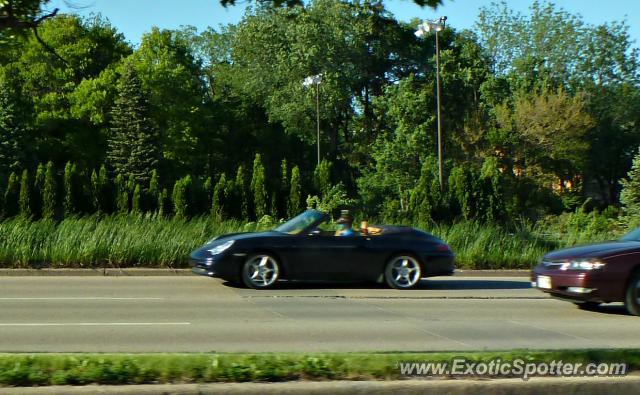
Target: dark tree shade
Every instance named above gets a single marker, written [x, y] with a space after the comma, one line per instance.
[133, 141]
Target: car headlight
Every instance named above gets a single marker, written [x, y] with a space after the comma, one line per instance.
[221, 248]
[582, 264]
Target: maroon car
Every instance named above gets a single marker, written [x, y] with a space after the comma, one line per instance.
[593, 274]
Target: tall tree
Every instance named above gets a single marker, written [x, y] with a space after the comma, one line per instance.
[218, 198]
[259, 188]
[11, 196]
[49, 193]
[70, 185]
[295, 192]
[181, 197]
[133, 142]
[11, 130]
[25, 195]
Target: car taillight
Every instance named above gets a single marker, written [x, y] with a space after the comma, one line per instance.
[443, 248]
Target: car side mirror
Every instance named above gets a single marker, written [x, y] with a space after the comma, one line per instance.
[314, 232]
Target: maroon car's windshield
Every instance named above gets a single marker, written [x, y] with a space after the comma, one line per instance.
[634, 235]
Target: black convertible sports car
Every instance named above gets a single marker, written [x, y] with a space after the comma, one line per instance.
[300, 250]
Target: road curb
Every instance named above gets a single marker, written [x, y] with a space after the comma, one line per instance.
[95, 272]
[115, 272]
[493, 273]
[629, 385]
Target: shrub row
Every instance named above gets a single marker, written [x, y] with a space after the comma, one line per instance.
[50, 195]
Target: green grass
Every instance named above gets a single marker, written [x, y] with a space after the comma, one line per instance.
[112, 241]
[150, 241]
[83, 369]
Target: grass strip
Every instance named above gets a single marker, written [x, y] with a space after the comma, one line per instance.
[123, 241]
[119, 369]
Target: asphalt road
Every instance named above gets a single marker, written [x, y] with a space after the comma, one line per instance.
[198, 314]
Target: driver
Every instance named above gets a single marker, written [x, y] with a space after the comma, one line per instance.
[344, 224]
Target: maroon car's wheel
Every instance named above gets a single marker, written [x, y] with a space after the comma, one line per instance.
[402, 272]
[632, 300]
[260, 271]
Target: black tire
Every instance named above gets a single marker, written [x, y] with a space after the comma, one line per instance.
[260, 271]
[632, 294]
[588, 306]
[403, 271]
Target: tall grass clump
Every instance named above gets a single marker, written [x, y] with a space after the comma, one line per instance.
[485, 246]
[108, 241]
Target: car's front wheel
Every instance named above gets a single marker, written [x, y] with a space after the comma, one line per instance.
[402, 272]
[632, 296]
[260, 271]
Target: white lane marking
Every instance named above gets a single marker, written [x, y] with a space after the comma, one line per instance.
[93, 323]
[80, 298]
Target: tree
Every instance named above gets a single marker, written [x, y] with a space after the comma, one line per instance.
[11, 132]
[100, 190]
[70, 184]
[322, 177]
[240, 194]
[274, 50]
[17, 17]
[291, 3]
[181, 197]
[552, 49]
[49, 193]
[25, 195]
[153, 193]
[630, 195]
[164, 203]
[136, 200]
[547, 135]
[11, 196]
[218, 198]
[259, 188]
[295, 192]
[38, 187]
[121, 195]
[171, 76]
[133, 143]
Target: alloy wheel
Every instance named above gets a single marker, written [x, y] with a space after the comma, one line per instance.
[403, 272]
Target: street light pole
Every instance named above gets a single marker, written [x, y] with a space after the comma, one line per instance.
[316, 80]
[440, 159]
[318, 118]
[424, 28]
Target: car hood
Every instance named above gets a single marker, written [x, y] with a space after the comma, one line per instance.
[599, 250]
[240, 236]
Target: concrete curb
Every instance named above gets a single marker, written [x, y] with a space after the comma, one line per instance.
[126, 272]
[629, 385]
[95, 272]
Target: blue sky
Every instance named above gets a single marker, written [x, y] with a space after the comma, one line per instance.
[135, 17]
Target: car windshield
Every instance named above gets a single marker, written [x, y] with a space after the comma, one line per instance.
[299, 223]
[634, 235]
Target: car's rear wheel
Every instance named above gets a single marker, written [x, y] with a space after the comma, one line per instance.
[402, 272]
[632, 296]
[260, 271]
